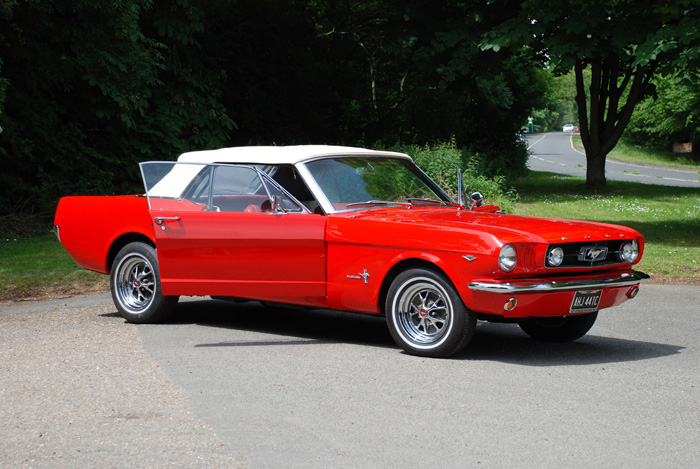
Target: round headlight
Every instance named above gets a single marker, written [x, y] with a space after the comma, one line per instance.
[629, 251]
[507, 258]
[555, 256]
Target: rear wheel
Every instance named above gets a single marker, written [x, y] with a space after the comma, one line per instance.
[426, 316]
[135, 285]
[559, 329]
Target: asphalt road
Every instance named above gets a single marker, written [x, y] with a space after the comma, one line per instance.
[554, 152]
[227, 384]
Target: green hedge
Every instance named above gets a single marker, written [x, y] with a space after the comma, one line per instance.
[441, 162]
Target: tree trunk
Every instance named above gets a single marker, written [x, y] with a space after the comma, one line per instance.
[602, 118]
[595, 170]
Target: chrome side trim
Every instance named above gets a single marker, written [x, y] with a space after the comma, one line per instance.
[531, 286]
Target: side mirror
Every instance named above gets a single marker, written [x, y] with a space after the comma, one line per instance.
[476, 200]
[277, 206]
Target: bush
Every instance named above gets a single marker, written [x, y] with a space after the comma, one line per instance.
[441, 163]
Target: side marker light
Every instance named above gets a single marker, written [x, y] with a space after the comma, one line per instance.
[633, 292]
[510, 304]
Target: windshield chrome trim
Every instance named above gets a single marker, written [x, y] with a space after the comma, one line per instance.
[313, 186]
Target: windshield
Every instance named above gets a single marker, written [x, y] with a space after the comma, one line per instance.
[351, 183]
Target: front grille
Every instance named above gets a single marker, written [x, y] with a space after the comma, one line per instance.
[584, 254]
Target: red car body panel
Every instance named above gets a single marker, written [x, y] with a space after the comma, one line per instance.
[89, 226]
[376, 240]
[319, 261]
[248, 255]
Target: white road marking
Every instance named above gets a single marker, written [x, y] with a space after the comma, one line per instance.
[571, 139]
[535, 143]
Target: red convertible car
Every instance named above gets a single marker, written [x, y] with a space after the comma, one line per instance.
[347, 229]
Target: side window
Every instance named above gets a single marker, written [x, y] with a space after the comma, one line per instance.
[198, 192]
[287, 204]
[288, 177]
[218, 188]
[242, 189]
[237, 189]
[236, 180]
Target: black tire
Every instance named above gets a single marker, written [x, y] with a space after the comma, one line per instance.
[559, 329]
[135, 285]
[426, 316]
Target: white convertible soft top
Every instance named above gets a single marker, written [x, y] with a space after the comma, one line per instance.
[279, 155]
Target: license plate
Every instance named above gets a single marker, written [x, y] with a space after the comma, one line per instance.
[586, 301]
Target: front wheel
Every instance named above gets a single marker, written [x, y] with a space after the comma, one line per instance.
[559, 329]
[426, 316]
[135, 285]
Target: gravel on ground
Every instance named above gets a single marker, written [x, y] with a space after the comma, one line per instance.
[77, 389]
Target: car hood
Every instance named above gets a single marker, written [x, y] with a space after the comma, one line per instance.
[508, 228]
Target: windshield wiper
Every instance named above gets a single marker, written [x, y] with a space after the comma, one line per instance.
[377, 202]
[426, 201]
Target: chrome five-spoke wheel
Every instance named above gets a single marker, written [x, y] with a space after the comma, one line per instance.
[423, 313]
[135, 285]
[426, 316]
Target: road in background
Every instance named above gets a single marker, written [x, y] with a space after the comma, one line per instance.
[554, 152]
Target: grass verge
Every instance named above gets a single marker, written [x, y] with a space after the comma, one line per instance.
[39, 267]
[635, 154]
[666, 216]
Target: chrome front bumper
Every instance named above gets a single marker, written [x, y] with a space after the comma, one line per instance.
[622, 280]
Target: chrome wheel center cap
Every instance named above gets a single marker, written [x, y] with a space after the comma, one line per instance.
[423, 312]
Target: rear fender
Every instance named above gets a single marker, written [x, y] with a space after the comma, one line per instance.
[89, 227]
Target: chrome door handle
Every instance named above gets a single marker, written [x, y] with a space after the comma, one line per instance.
[160, 220]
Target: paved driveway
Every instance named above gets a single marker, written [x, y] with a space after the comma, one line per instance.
[226, 384]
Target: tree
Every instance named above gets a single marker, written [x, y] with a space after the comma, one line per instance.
[421, 76]
[625, 43]
[91, 87]
[671, 115]
[560, 102]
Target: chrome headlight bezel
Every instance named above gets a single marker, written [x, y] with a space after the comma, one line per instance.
[555, 256]
[629, 251]
[507, 258]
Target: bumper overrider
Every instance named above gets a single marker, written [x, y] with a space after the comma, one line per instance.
[537, 297]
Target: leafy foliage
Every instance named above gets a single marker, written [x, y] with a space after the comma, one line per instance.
[85, 103]
[93, 86]
[670, 116]
[560, 102]
[442, 161]
[625, 43]
[3, 87]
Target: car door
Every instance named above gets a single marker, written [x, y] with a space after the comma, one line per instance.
[231, 231]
